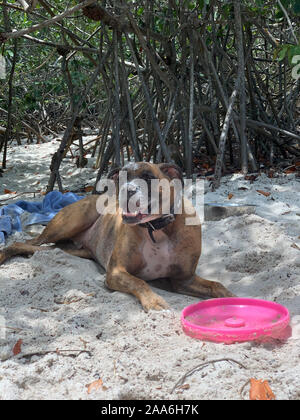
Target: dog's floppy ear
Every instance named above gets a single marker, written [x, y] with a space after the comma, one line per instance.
[172, 171]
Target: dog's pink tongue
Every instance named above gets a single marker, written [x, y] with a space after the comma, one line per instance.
[133, 215]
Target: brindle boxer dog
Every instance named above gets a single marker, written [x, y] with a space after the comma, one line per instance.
[132, 247]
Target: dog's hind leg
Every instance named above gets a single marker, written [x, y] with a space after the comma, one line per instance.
[69, 221]
[21, 248]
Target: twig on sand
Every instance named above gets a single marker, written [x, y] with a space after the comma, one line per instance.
[71, 353]
[17, 195]
[57, 351]
[15, 329]
[243, 387]
[295, 246]
[44, 310]
[201, 366]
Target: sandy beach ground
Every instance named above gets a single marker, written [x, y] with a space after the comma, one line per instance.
[74, 331]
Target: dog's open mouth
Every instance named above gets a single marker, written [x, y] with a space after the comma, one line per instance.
[136, 217]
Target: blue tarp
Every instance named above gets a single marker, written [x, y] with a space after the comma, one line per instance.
[39, 212]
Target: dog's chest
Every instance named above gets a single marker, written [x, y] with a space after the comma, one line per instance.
[157, 259]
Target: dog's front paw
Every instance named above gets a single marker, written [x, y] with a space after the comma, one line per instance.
[154, 302]
[218, 290]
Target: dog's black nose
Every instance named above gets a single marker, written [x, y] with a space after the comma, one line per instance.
[132, 189]
[130, 193]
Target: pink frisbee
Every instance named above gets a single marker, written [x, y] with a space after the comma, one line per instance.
[230, 320]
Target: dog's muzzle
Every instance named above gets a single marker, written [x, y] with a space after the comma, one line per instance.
[133, 203]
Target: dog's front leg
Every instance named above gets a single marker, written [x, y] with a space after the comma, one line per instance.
[119, 279]
[199, 287]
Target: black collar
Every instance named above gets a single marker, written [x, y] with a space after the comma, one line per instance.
[158, 224]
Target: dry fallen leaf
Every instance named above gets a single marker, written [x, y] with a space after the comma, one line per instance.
[84, 342]
[265, 193]
[250, 178]
[290, 170]
[88, 188]
[230, 196]
[6, 191]
[184, 386]
[260, 390]
[295, 246]
[17, 347]
[95, 386]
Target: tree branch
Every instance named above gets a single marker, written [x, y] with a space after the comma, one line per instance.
[223, 137]
[17, 34]
[99, 13]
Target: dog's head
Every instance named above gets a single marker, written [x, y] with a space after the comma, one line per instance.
[147, 191]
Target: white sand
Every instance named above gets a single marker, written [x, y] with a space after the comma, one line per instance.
[56, 301]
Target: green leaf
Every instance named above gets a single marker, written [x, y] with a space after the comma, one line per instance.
[227, 11]
[201, 4]
[295, 50]
[140, 11]
[282, 52]
[296, 7]
[9, 53]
